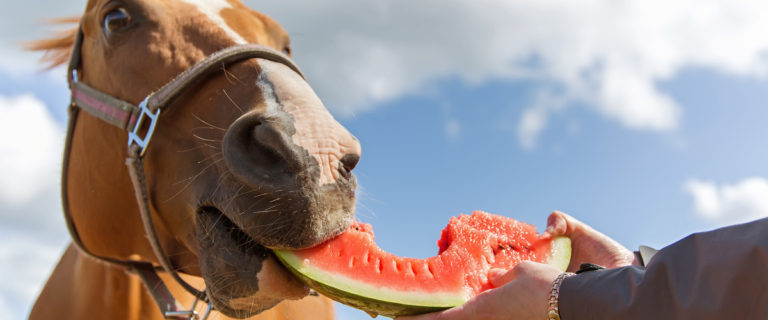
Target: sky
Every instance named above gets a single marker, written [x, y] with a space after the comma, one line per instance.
[645, 119]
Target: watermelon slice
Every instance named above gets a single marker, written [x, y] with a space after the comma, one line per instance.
[353, 270]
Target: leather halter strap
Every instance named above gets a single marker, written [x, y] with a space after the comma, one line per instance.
[124, 114]
[131, 117]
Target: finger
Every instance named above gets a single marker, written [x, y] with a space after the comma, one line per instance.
[456, 313]
[428, 316]
[499, 277]
[557, 224]
[561, 224]
[480, 306]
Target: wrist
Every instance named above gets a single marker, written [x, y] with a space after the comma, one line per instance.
[553, 305]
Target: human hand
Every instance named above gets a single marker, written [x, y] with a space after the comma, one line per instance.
[520, 294]
[587, 244]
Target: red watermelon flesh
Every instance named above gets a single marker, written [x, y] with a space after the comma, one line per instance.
[351, 268]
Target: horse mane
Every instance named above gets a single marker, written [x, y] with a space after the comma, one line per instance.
[58, 48]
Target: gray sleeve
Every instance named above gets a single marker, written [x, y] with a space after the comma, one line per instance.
[721, 274]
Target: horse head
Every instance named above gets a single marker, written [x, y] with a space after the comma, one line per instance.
[245, 161]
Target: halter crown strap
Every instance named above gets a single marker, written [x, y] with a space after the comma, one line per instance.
[211, 64]
[130, 117]
[125, 115]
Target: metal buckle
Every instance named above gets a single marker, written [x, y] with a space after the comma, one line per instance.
[182, 315]
[190, 314]
[134, 137]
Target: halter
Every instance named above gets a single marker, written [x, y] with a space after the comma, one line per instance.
[140, 121]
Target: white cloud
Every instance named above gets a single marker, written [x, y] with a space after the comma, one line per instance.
[32, 231]
[26, 261]
[20, 23]
[730, 203]
[452, 128]
[607, 54]
[31, 148]
[535, 118]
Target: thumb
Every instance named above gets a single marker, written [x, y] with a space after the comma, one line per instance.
[428, 316]
[557, 224]
[461, 312]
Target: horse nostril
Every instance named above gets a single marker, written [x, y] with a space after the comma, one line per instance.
[257, 150]
[349, 161]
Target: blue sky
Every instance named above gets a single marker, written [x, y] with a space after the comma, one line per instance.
[644, 129]
[628, 184]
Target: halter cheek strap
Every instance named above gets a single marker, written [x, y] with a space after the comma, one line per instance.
[140, 122]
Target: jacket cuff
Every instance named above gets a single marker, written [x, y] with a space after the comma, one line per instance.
[644, 254]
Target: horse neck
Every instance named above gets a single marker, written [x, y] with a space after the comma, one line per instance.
[84, 288]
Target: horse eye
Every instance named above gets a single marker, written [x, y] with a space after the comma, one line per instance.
[116, 20]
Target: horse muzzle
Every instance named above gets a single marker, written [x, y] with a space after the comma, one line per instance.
[289, 204]
[282, 204]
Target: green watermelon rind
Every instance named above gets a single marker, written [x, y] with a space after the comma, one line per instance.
[381, 301]
[390, 302]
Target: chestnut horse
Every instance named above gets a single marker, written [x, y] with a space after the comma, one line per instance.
[245, 160]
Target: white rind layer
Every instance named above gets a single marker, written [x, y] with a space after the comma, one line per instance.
[343, 283]
[560, 253]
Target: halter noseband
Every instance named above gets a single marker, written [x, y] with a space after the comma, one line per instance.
[132, 118]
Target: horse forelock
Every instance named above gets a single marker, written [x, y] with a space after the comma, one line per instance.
[226, 15]
[57, 48]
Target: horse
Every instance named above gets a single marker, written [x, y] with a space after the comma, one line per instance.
[244, 159]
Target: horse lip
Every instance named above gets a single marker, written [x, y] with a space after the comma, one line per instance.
[245, 244]
[227, 253]
[242, 237]
[327, 236]
[237, 234]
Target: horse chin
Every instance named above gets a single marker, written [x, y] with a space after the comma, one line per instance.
[243, 277]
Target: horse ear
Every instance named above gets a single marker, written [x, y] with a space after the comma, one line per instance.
[57, 48]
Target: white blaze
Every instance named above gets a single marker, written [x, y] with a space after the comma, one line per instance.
[267, 91]
[212, 9]
[316, 129]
